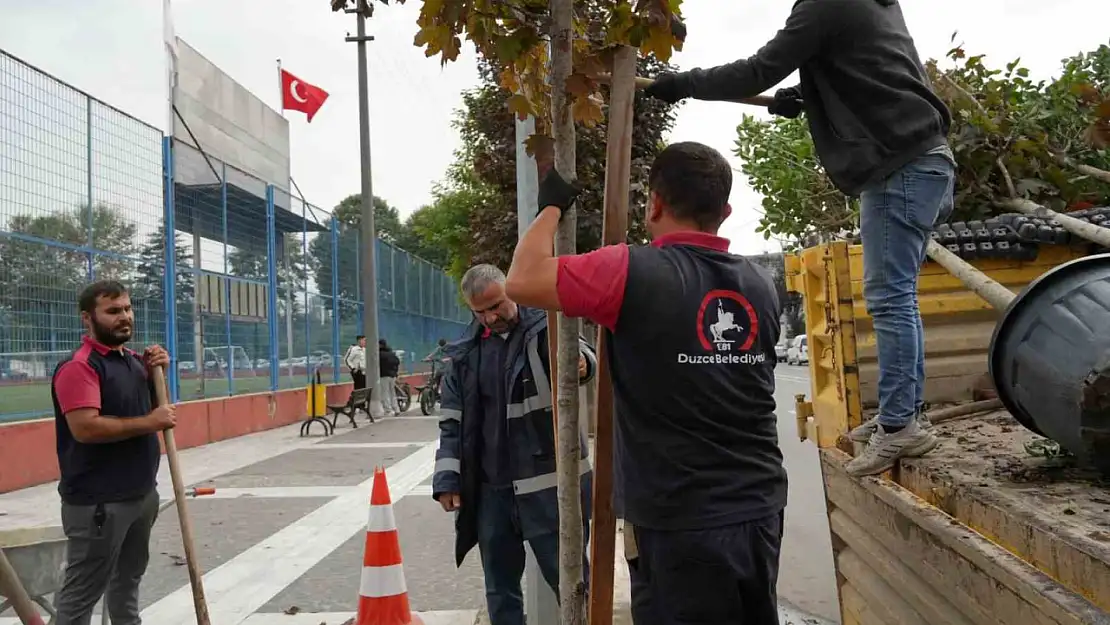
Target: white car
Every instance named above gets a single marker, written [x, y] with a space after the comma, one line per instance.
[780, 350]
[798, 352]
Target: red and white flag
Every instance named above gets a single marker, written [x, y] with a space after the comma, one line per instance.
[298, 95]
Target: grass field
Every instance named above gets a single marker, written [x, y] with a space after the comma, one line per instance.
[20, 402]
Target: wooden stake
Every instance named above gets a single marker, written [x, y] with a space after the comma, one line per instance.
[195, 578]
[618, 169]
[13, 589]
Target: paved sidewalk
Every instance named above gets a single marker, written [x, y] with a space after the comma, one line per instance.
[281, 540]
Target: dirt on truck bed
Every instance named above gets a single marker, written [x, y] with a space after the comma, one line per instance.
[1049, 511]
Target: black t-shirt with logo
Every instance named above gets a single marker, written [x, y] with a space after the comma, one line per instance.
[692, 363]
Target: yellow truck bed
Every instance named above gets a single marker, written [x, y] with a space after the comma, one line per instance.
[977, 532]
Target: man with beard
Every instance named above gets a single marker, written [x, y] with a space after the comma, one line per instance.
[107, 439]
[495, 466]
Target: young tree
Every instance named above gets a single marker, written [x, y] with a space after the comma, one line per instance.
[582, 37]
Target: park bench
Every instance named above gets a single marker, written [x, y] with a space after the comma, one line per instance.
[358, 399]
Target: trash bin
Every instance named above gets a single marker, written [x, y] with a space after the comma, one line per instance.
[317, 394]
[1050, 357]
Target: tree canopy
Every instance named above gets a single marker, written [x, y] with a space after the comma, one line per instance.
[1050, 138]
[473, 216]
[513, 36]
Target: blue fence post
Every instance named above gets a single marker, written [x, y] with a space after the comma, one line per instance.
[227, 286]
[170, 288]
[336, 319]
[271, 260]
[307, 325]
[90, 269]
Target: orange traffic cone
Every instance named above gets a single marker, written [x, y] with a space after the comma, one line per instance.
[383, 596]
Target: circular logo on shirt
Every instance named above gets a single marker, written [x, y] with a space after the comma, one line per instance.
[726, 322]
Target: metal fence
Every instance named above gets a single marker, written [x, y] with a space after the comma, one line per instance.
[255, 290]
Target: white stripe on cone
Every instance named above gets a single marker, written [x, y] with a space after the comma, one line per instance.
[381, 519]
[382, 581]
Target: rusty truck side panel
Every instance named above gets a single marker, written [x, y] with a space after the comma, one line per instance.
[957, 536]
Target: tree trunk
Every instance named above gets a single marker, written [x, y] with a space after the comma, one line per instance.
[994, 293]
[1091, 232]
[572, 588]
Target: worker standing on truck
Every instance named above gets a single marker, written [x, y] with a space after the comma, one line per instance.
[691, 334]
[107, 431]
[495, 466]
[881, 134]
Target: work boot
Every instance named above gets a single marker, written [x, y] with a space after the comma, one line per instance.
[883, 450]
[862, 433]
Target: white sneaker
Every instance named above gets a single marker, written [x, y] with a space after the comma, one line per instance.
[884, 450]
[862, 433]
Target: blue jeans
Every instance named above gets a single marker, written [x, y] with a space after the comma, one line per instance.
[501, 544]
[897, 216]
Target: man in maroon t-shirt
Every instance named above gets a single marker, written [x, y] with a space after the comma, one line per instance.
[691, 330]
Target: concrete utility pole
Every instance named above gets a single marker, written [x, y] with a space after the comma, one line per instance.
[369, 274]
[540, 603]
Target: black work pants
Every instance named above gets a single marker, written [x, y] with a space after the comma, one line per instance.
[359, 379]
[720, 576]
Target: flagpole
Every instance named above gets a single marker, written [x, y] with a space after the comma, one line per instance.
[285, 256]
[281, 90]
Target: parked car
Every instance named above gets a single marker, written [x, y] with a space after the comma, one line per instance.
[798, 352]
[780, 350]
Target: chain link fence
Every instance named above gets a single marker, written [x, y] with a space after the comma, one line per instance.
[255, 290]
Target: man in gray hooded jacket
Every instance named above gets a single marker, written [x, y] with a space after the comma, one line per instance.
[881, 134]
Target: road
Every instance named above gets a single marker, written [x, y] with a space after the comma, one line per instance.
[283, 536]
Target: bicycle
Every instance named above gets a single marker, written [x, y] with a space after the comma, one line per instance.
[403, 392]
[429, 393]
[429, 396]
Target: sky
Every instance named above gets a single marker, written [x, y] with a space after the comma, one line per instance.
[113, 50]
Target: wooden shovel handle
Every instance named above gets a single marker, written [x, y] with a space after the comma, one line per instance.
[161, 396]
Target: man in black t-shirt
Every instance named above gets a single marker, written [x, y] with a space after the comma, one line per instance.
[691, 331]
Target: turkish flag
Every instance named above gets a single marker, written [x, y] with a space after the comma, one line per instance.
[298, 95]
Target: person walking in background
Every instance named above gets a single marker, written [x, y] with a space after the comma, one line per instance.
[107, 439]
[355, 359]
[389, 365]
[881, 133]
[495, 466]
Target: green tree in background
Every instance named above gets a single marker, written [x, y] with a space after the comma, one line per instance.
[149, 279]
[473, 216]
[348, 216]
[45, 279]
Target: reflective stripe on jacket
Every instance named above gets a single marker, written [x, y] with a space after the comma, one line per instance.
[531, 431]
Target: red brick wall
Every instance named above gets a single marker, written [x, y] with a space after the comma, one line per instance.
[28, 456]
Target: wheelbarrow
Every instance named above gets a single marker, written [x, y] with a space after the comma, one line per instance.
[38, 556]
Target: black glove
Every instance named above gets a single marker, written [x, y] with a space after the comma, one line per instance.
[787, 103]
[669, 88]
[557, 192]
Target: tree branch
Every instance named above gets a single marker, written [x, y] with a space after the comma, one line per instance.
[1086, 170]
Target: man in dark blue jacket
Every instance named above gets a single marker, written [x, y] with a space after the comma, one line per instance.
[881, 134]
[495, 467]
